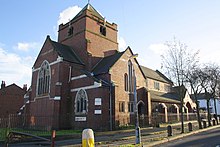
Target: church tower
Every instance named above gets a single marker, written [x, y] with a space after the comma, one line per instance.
[90, 35]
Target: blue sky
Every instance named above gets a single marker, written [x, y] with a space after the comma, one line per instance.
[143, 25]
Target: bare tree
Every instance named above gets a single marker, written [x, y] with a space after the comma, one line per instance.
[176, 61]
[216, 98]
[210, 73]
[204, 76]
[215, 83]
[192, 78]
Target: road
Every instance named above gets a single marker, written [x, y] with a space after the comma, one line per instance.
[122, 137]
[210, 138]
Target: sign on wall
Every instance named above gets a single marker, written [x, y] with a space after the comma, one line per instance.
[98, 101]
[80, 118]
[98, 112]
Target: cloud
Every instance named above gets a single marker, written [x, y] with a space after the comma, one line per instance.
[122, 44]
[65, 16]
[68, 14]
[15, 69]
[26, 46]
[158, 48]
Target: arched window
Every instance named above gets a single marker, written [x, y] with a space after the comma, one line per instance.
[103, 30]
[81, 102]
[70, 31]
[43, 85]
[126, 81]
[130, 76]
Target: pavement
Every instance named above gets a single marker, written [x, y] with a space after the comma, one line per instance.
[149, 136]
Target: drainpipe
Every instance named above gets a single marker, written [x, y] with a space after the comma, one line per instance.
[110, 106]
[110, 85]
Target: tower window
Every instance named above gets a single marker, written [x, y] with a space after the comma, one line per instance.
[103, 30]
[43, 79]
[70, 31]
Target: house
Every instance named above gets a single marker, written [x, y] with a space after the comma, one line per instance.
[165, 98]
[203, 104]
[82, 80]
[12, 98]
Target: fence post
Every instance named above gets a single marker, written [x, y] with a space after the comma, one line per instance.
[6, 136]
[190, 126]
[204, 124]
[53, 136]
[213, 121]
[169, 131]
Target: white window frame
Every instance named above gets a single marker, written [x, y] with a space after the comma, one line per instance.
[44, 89]
[81, 102]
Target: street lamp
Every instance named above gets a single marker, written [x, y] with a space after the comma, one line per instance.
[137, 128]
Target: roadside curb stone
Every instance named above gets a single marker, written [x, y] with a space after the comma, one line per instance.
[167, 139]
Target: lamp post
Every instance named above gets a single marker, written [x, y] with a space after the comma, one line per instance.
[137, 128]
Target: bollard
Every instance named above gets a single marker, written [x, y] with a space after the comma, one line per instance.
[169, 131]
[88, 138]
[53, 136]
[190, 126]
[204, 124]
[213, 122]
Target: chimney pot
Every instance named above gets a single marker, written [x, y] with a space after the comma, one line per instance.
[3, 84]
[25, 87]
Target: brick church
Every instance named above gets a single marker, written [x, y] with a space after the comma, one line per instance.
[83, 81]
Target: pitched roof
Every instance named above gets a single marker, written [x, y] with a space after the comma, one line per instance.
[12, 85]
[177, 89]
[164, 97]
[66, 52]
[156, 75]
[200, 96]
[90, 8]
[106, 63]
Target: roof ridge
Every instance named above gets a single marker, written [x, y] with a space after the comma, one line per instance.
[64, 55]
[154, 74]
[90, 8]
[14, 85]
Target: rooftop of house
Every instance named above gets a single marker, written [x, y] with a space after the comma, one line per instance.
[200, 96]
[155, 75]
[4, 87]
[165, 97]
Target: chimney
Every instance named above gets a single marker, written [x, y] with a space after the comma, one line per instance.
[25, 87]
[3, 85]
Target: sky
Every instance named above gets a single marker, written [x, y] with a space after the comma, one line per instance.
[144, 25]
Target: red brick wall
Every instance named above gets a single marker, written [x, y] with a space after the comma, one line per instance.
[12, 99]
[124, 118]
[94, 121]
[77, 40]
[87, 40]
[41, 106]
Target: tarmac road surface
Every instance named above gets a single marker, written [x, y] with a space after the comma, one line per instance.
[209, 138]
